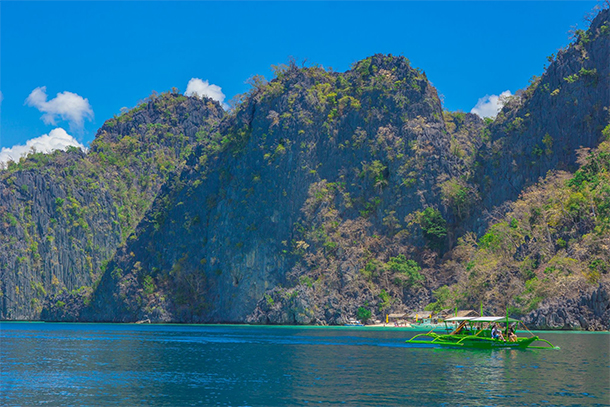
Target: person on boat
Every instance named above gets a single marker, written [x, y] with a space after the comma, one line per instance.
[496, 333]
[510, 333]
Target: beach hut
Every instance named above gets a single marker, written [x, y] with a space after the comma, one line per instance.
[421, 316]
[399, 319]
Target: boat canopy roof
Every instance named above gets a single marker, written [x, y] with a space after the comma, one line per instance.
[458, 319]
[494, 319]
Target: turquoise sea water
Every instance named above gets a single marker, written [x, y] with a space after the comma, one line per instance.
[184, 365]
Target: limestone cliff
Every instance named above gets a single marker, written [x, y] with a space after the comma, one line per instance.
[316, 169]
[64, 214]
[323, 193]
[542, 127]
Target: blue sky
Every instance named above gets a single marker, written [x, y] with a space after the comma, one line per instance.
[115, 54]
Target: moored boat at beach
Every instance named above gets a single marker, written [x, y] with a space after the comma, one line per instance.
[353, 322]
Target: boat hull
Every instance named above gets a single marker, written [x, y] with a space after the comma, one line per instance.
[473, 342]
[488, 343]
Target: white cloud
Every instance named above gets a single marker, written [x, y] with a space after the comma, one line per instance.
[490, 106]
[203, 88]
[57, 139]
[66, 105]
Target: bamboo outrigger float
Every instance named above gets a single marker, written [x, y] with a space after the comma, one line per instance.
[475, 332]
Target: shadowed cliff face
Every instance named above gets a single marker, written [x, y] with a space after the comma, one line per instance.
[228, 229]
[542, 127]
[64, 214]
[46, 235]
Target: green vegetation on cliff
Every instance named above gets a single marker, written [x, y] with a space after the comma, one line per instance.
[64, 214]
[323, 195]
[317, 172]
[550, 245]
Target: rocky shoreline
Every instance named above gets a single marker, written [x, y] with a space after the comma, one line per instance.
[588, 313]
[372, 326]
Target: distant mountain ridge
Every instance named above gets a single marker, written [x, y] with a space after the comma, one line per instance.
[326, 192]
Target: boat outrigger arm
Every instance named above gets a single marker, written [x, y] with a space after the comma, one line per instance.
[475, 332]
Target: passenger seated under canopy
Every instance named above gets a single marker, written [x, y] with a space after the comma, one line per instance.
[496, 333]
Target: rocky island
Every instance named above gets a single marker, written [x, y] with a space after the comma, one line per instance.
[324, 192]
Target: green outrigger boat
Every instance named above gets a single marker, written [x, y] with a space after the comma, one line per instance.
[475, 332]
